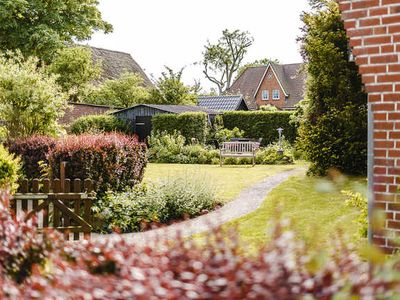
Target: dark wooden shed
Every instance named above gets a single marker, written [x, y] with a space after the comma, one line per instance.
[139, 116]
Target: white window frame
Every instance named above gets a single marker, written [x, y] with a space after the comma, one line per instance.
[265, 96]
[274, 93]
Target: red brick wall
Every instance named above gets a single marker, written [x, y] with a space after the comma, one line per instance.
[77, 110]
[270, 83]
[373, 27]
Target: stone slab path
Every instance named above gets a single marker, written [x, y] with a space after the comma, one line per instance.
[248, 201]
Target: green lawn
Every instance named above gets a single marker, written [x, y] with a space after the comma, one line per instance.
[315, 207]
[228, 180]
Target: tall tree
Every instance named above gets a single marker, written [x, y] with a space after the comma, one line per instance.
[41, 27]
[333, 131]
[222, 60]
[31, 101]
[171, 90]
[75, 69]
[256, 63]
[125, 91]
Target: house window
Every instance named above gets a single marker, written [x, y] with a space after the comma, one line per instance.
[275, 94]
[265, 95]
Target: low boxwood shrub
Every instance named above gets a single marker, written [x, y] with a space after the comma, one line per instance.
[9, 169]
[99, 124]
[114, 161]
[261, 124]
[159, 202]
[33, 152]
[192, 126]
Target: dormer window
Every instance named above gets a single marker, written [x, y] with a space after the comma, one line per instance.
[265, 95]
[275, 95]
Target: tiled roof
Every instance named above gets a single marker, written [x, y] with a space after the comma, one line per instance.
[291, 76]
[175, 109]
[115, 63]
[221, 103]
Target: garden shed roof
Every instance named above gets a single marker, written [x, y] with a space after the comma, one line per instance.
[174, 109]
[223, 103]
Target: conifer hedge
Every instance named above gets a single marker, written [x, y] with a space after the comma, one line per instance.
[192, 125]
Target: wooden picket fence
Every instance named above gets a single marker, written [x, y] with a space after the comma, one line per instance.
[64, 205]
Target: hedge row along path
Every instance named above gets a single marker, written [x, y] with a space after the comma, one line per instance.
[248, 201]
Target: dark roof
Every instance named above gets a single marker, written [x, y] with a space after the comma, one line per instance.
[291, 76]
[115, 63]
[175, 109]
[222, 103]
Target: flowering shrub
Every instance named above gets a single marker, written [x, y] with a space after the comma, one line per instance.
[160, 202]
[116, 268]
[32, 151]
[115, 161]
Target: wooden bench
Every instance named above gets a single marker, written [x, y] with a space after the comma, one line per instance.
[239, 149]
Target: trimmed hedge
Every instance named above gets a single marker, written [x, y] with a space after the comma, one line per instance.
[192, 125]
[32, 150]
[261, 124]
[98, 124]
[114, 161]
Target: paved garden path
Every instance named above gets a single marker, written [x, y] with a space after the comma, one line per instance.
[248, 201]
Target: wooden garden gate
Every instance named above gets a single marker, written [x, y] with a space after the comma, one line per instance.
[61, 204]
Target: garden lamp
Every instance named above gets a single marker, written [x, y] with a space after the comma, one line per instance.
[280, 150]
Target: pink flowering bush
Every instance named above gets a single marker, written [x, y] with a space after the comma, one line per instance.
[115, 268]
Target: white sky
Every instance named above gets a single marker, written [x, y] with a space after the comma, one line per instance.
[173, 32]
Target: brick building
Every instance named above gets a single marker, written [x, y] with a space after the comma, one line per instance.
[279, 85]
[373, 28]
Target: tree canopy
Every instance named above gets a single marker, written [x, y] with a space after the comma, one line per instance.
[125, 91]
[41, 27]
[31, 101]
[333, 131]
[170, 89]
[256, 63]
[222, 60]
[75, 69]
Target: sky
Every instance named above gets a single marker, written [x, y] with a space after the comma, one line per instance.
[173, 33]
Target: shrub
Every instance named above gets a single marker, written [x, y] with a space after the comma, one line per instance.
[270, 155]
[31, 100]
[360, 202]
[191, 125]
[99, 124]
[261, 124]
[179, 268]
[333, 130]
[159, 202]
[21, 247]
[9, 169]
[114, 161]
[172, 148]
[225, 135]
[33, 151]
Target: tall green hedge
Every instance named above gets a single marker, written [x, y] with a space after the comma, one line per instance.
[99, 124]
[261, 124]
[192, 125]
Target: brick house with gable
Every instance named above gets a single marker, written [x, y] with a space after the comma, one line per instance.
[373, 28]
[279, 85]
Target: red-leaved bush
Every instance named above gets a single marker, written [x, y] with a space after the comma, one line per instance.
[114, 161]
[32, 150]
[115, 268]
